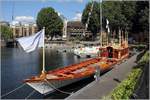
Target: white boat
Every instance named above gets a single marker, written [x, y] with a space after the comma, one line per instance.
[87, 51]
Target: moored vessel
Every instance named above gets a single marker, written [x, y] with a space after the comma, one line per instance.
[64, 76]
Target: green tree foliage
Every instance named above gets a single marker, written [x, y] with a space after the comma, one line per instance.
[94, 22]
[141, 17]
[144, 20]
[48, 18]
[111, 11]
[130, 16]
[128, 11]
[119, 14]
[6, 32]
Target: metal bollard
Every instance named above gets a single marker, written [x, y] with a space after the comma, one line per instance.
[97, 73]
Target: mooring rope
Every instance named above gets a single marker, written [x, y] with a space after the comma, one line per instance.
[58, 89]
[33, 92]
[43, 89]
[13, 90]
[30, 94]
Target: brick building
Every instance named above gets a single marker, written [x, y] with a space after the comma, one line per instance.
[76, 28]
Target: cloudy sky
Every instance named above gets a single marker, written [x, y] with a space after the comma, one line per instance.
[27, 10]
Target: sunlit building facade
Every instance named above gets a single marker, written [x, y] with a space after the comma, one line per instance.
[23, 29]
[76, 28]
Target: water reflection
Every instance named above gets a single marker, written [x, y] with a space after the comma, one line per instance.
[16, 65]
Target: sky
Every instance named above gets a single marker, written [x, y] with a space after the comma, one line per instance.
[28, 9]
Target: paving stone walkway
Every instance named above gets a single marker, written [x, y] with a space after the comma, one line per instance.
[107, 82]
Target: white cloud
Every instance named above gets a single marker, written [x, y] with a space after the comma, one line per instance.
[80, 1]
[78, 16]
[24, 18]
[14, 23]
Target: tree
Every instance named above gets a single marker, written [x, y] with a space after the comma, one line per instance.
[130, 16]
[141, 17]
[144, 20]
[119, 13]
[6, 32]
[128, 9]
[48, 18]
[94, 21]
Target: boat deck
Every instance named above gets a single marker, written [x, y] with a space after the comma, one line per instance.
[82, 69]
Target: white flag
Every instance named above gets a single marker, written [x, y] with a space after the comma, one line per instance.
[107, 23]
[30, 43]
[108, 30]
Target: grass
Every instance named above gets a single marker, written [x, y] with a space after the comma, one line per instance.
[125, 89]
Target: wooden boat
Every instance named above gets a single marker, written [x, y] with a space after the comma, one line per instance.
[63, 76]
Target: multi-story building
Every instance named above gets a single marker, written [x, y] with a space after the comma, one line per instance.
[64, 30]
[4, 23]
[23, 29]
[76, 28]
[70, 29]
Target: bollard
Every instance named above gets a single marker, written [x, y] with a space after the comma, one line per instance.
[97, 73]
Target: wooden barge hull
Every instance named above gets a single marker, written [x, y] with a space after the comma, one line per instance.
[47, 87]
[49, 82]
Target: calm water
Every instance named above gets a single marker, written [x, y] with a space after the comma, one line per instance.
[16, 65]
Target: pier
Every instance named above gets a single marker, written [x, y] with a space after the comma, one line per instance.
[107, 82]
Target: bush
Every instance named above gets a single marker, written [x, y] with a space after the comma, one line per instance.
[126, 87]
[145, 58]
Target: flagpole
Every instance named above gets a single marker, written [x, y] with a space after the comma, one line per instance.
[43, 70]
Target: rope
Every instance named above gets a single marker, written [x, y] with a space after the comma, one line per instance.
[30, 94]
[43, 89]
[58, 89]
[13, 90]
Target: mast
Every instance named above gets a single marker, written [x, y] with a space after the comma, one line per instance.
[108, 32]
[101, 22]
[43, 68]
[89, 15]
[127, 38]
[13, 10]
[119, 37]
